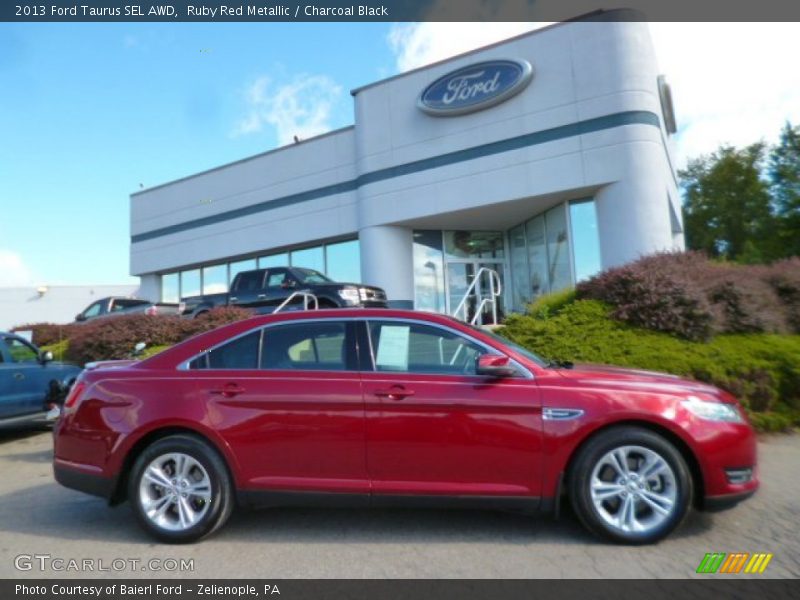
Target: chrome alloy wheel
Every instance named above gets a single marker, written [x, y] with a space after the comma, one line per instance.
[175, 491]
[633, 489]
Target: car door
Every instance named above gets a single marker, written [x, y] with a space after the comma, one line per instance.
[279, 285]
[248, 289]
[435, 427]
[288, 401]
[25, 377]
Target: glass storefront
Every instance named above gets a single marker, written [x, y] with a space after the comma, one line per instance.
[340, 261]
[549, 252]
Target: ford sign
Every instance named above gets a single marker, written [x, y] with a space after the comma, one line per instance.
[475, 87]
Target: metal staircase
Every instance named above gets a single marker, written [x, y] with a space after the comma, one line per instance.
[485, 296]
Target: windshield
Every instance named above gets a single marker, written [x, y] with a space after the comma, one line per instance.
[516, 347]
[310, 276]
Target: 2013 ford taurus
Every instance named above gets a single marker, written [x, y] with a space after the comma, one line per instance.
[382, 407]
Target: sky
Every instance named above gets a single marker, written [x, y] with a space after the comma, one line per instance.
[90, 113]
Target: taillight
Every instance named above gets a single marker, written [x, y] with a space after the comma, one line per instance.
[74, 394]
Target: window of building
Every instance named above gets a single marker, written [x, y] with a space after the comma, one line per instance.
[585, 239]
[170, 291]
[519, 266]
[415, 348]
[241, 353]
[474, 244]
[428, 271]
[343, 261]
[273, 260]
[190, 283]
[559, 270]
[307, 346]
[242, 265]
[215, 279]
[309, 258]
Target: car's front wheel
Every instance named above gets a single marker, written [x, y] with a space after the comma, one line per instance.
[180, 489]
[630, 485]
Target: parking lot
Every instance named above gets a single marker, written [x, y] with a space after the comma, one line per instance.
[38, 517]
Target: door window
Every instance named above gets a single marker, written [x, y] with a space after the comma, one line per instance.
[276, 278]
[249, 281]
[21, 352]
[241, 353]
[415, 348]
[307, 346]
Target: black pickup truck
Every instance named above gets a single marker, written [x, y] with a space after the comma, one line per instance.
[264, 290]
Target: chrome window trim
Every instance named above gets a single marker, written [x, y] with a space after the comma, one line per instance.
[524, 371]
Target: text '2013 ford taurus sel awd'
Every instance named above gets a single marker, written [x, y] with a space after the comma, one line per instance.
[383, 407]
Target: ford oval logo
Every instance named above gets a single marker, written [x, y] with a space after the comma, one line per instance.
[475, 87]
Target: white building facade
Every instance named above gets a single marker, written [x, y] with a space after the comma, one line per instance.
[545, 158]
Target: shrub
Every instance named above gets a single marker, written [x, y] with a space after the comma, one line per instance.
[691, 296]
[108, 339]
[45, 334]
[761, 369]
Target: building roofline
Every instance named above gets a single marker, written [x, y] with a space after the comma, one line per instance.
[596, 15]
[241, 160]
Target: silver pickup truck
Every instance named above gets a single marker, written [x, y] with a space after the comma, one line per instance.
[115, 306]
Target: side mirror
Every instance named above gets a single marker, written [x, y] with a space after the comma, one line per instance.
[494, 365]
[46, 357]
[80, 317]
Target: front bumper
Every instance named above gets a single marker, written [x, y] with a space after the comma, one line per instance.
[726, 501]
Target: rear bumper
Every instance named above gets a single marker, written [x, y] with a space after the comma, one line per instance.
[89, 483]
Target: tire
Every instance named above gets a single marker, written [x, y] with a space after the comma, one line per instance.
[195, 498]
[630, 485]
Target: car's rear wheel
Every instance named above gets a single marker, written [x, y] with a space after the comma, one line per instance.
[180, 489]
[630, 485]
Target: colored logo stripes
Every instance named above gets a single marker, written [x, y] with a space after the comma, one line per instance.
[735, 562]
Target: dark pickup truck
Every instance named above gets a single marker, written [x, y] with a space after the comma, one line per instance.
[263, 290]
[114, 306]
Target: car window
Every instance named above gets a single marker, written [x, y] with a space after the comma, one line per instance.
[249, 281]
[276, 278]
[20, 352]
[406, 347]
[307, 346]
[94, 309]
[240, 353]
[123, 303]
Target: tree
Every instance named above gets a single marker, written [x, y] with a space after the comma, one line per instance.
[728, 208]
[784, 176]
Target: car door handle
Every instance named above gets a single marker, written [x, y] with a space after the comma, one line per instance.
[396, 392]
[229, 390]
[262, 295]
[19, 376]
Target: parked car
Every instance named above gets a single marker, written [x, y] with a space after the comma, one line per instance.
[114, 306]
[31, 383]
[383, 407]
[263, 290]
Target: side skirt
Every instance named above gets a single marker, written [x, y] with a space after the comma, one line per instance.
[271, 499]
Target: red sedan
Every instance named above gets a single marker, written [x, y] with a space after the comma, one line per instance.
[380, 407]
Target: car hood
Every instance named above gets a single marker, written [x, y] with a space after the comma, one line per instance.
[606, 375]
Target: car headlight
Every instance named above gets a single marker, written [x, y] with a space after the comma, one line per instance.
[350, 294]
[713, 411]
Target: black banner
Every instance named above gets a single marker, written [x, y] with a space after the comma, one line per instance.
[408, 589]
[399, 10]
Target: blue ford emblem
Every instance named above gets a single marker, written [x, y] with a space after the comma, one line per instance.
[475, 87]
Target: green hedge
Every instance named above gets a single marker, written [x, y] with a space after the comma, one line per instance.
[762, 370]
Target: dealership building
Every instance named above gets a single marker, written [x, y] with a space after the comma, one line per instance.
[544, 158]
